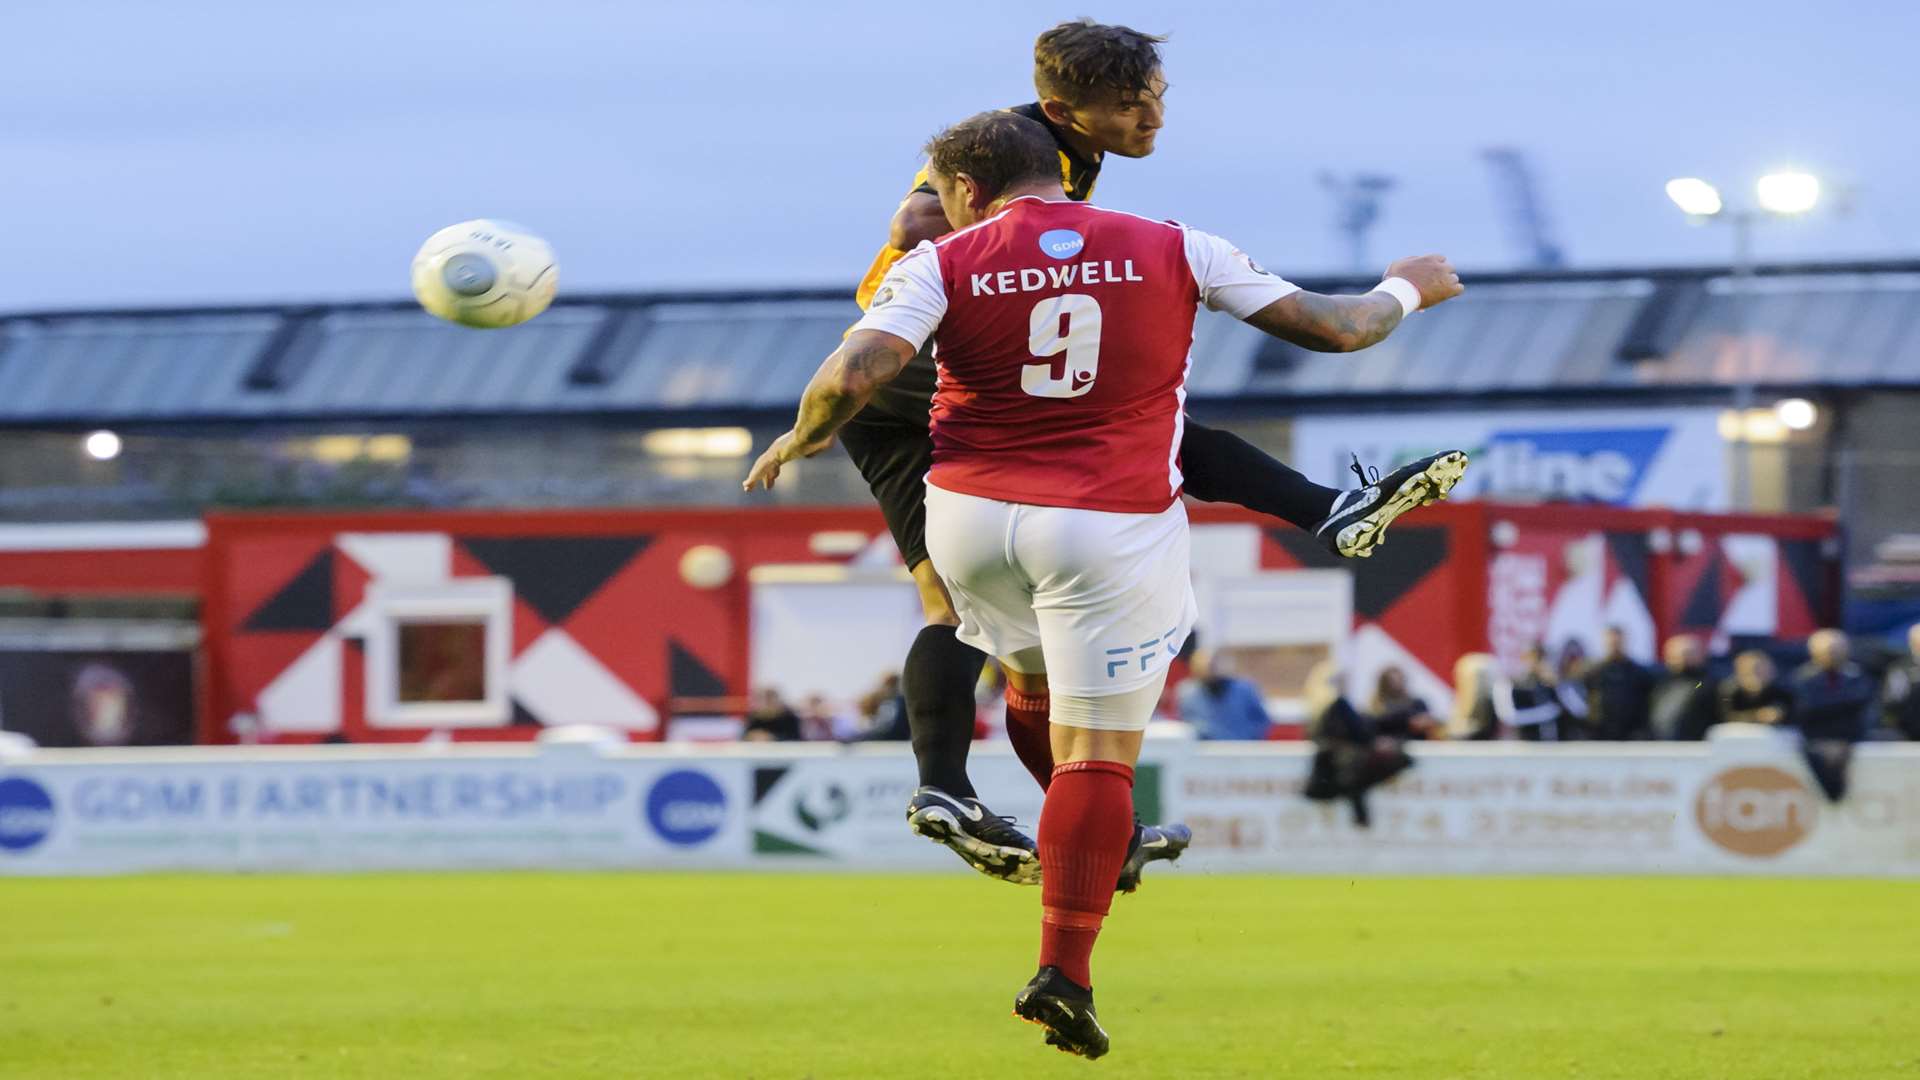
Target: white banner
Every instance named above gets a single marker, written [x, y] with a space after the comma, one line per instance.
[327, 808]
[1736, 806]
[1732, 806]
[1672, 458]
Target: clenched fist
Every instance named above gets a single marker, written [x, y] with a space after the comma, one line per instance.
[1433, 275]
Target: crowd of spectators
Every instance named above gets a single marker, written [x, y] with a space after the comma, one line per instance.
[1831, 702]
[1829, 698]
[880, 715]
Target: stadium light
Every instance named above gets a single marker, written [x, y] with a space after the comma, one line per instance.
[1798, 414]
[102, 445]
[714, 442]
[1694, 196]
[1777, 194]
[1788, 192]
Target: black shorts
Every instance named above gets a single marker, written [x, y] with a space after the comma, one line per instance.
[893, 455]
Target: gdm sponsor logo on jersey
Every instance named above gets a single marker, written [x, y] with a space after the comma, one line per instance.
[26, 814]
[686, 807]
[1061, 243]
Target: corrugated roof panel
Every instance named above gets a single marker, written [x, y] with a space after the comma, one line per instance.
[1852, 326]
[119, 368]
[1545, 348]
[717, 355]
[388, 361]
[1497, 349]
[1896, 356]
[1867, 339]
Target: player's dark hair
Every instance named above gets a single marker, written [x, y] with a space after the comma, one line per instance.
[1083, 62]
[997, 149]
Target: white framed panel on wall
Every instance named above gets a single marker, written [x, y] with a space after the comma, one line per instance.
[475, 617]
[830, 630]
[1276, 625]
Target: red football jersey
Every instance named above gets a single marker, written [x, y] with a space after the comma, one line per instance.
[1061, 332]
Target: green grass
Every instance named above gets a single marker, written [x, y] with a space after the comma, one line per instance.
[788, 976]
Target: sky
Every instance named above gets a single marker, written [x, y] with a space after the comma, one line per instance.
[207, 151]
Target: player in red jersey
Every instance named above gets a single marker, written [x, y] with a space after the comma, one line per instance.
[1101, 95]
[1061, 334]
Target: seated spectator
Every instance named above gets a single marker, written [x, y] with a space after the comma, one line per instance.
[1900, 697]
[1220, 705]
[1349, 757]
[1529, 705]
[1618, 693]
[1751, 695]
[769, 719]
[1683, 703]
[1831, 699]
[1396, 713]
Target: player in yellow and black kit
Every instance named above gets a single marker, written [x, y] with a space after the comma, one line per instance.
[1101, 92]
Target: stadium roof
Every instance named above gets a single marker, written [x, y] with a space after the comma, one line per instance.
[1621, 333]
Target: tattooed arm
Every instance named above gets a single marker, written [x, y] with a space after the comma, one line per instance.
[1329, 323]
[863, 363]
[1348, 323]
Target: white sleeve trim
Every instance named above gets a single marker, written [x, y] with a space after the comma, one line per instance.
[911, 300]
[1229, 280]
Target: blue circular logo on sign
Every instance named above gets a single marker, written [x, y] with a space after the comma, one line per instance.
[1061, 243]
[686, 807]
[26, 814]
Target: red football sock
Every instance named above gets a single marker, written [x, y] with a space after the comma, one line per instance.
[1085, 827]
[1031, 735]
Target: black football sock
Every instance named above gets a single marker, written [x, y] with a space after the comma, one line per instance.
[938, 682]
[1222, 467]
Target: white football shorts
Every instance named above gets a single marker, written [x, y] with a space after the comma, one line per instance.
[1107, 598]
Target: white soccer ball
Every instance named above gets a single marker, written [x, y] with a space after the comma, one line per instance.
[485, 273]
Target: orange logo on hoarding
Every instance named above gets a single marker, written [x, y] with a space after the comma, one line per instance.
[1756, 810]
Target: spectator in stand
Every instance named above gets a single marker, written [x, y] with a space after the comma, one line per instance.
[885, 712]
[1900, 697]
[1683, 703]
[1396, 713]
[1752, 694]
[1618, 693]
[820, 721]
[1350, 757]
[770, 719]
[1831, 700]
[1529, 706]
[1572, 687]
[1219, 704]
[1473, 716]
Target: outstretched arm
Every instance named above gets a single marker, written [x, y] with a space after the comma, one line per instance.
[1349, 323]
[1331, 324]
[864, 362]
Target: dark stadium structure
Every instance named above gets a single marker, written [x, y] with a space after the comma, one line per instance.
[653, 398]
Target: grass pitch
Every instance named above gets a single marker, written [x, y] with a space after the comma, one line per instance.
[789, 976]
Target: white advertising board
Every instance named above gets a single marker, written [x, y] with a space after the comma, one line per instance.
[1673, 458]
[327, 808]
[1736, 807]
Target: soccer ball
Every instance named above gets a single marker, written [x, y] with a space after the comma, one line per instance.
[484, 273]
